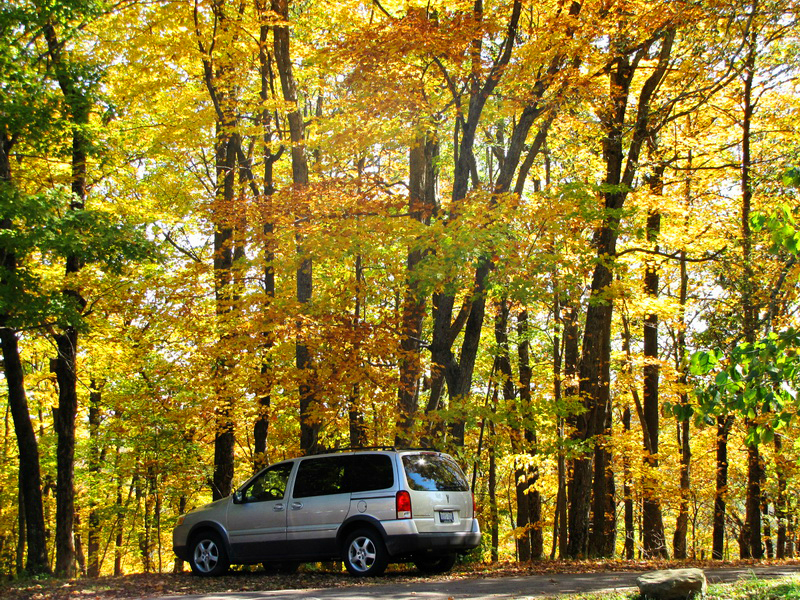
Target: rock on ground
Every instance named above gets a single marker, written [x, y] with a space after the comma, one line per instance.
[673, 584]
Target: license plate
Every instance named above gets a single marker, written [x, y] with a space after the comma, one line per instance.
[446, 517]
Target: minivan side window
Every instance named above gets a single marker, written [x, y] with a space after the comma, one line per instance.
[270, 484]
[433, 473]
[368, 472]
[320, 477]
[343, 474]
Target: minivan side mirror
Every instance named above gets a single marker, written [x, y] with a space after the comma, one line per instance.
[237, 497]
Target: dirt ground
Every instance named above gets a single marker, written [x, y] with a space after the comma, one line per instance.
[149, 585]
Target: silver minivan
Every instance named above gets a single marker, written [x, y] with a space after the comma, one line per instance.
[365, 507]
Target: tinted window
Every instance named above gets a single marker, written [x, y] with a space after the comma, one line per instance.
[368, 472]
[269, 485]
[433, 473]
[320, 477]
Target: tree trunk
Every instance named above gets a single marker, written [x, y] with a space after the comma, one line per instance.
[494, 518]
[724, 424]
[80, 556]
[654, 545]
[178, 564]
[679, 539]
[781, 499]
[94, 465]
[30, 480]
[422, 206]
[79, 107]
[596, 351]
[602, 542]
[531, 472]
[119, 527]
[358, 428]
[21, 528]
[309, 424]
[64, 425]
[224, 431]
[32, 523]
[627, 493]
[458, 372]
[571, 369]
[261, 425]
[752, 523]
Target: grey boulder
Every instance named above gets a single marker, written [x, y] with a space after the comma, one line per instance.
[673, 584]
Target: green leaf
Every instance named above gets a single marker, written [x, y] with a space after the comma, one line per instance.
[791, 177]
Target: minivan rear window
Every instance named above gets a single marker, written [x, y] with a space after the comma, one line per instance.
[433, 473]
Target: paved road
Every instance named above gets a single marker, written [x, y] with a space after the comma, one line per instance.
[497, 588]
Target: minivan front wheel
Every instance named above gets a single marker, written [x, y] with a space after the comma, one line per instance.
[208, 557]
[365, 554]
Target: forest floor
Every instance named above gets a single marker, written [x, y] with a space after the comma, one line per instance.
[327, 576]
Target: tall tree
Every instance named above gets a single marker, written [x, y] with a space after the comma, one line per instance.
[309, 424]
[219, 80]
[18, 110]
[652, 520]
[620, 169]
[77, 92]
[422, 206]
[457, 371]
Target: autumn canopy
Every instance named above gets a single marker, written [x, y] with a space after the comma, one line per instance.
[557, 239]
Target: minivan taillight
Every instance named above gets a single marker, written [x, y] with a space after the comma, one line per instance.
[474, 506]
[403, 504]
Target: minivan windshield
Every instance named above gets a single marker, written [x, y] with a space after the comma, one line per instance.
[428, 472]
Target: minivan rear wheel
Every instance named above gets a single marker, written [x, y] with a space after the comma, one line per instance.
[365, 554]
[207, 555]
[440, 563]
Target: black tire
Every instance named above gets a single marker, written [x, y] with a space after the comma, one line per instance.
[365, 554]
[281, 567]
[207, 555]
[440, 563]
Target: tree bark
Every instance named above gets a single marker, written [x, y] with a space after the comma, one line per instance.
[621, 168]
[30, 480]
[781, 498]
[422, 206]
[724, 424]
[530, 472]
[559, 350]
[654, 541]
[752, 526]
[78, 106]
[458, 372]
[309, 424]
[261, 425]
[357, 424]
[224, 430]
[752, 522]
[94, 466]
[494, 518]
[602, 541]
[679, 539]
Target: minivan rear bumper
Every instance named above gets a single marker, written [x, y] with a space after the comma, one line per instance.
[404, 543]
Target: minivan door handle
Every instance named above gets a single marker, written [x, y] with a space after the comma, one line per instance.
[278, 507]
[297, 505]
